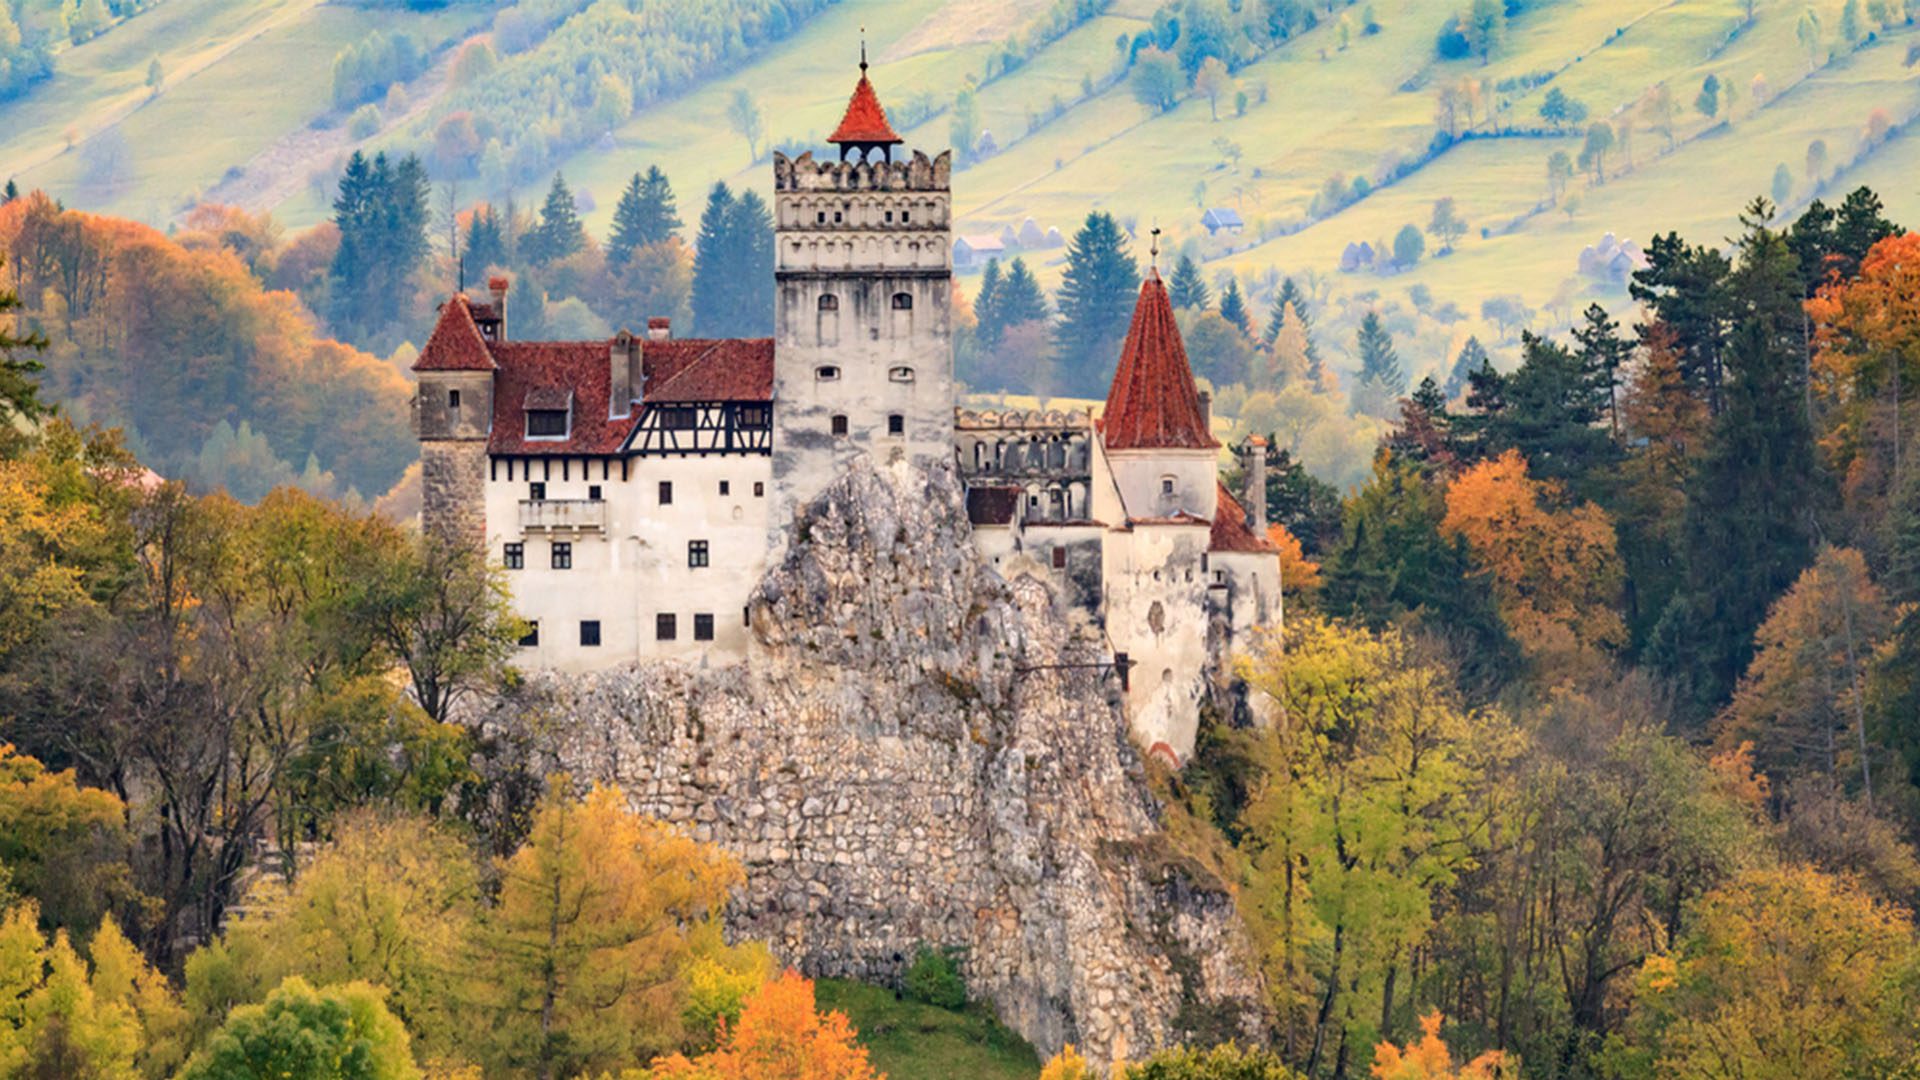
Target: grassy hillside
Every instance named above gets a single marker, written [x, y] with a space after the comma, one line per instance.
[910, 1041]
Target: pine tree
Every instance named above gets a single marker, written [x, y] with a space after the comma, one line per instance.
[560, 232]
[485, 244]
[1233, 308]
[645, 215]
[19, 393]
[1290, 295]
[1020, 299]
[382, 215]
[1379, 363]
[1187, 289]
[1096, 302]
[1749, 528]
[986, 308]
[1603, 352]
[714, 259]
[752, 230]
[1473, 356]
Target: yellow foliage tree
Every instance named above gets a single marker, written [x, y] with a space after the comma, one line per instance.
[1428, 1058]
[600, 911]
[780, 1036]
[117, 1021]
[1556, 571]
[1068, 1065]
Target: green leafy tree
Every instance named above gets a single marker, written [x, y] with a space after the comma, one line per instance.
[1096, 301]
[1156, 81]
[1485, 28]
[645, 215]
[299, 1033]
[1560, 110]
[1708, 102]
[1408, 246]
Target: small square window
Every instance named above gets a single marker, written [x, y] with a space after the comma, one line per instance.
[826, 373]
[906, 216]
[665, 628]
[532, 636]
[1166, 485]
[896, 424]
[696, 553]
[590, 632]
[725, 488]
[836, 217]
[514, 556]
[453, 399]
[759, 489]
[839, 424]
[1059, 558]
[703, 628]
[666, 493]
[593, 492]
[536, 491]
[562, 555]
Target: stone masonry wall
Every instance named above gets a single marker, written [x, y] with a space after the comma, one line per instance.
[902, 761]
[453, 496]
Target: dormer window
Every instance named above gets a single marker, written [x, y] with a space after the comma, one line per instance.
[546, 423]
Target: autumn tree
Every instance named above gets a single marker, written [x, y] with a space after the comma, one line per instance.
[598, 912]
[1556, 570]
[780, 1036]
[1785, 972]
[1665, 423]
[1429, 1058]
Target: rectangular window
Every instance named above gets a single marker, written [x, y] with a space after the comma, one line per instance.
[589, 632]
[1059, 558]
[562, 555]
[703, 628]
[696, 553]
[664, 627]
[839, 425]
[679, 417]
[593, 492]
[666, 493]
[545, 423]
[536, 491]
[896, 424]
[725, 487]
[453, 399]
[759, 489]
[515, 556]
[532, 636]
[755, 417]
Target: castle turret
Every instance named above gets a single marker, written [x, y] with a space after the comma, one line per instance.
[864, 354]
[1156, 429]
[452, 414]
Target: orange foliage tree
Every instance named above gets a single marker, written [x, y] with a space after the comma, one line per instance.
[1428, 1058]
[1866, 361]
[780, 1036]
[1299, 575]
[1556, 571]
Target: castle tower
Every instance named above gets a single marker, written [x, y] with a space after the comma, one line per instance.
[863, 328]
[1156, 427]
[452, 414]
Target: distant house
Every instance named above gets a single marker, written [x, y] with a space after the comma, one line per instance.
[1221, 219]
[972, 251]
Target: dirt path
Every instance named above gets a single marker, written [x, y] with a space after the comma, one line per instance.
[277, 173]
[107, 113]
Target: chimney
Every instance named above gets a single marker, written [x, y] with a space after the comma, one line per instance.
[659, 328]
[620, 374]
[1206, 410]
[497, 286]
[1256, 468]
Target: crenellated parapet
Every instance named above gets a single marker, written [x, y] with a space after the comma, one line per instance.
[919, 173]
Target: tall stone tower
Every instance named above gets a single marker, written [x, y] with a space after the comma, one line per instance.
[863, 360]
[452, 415]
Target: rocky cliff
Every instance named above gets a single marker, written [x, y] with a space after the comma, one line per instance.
[919, 752]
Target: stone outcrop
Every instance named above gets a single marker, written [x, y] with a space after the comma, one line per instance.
[918, 751]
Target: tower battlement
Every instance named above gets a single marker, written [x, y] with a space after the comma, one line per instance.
[918, 173]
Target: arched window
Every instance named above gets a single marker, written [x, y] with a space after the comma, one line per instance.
[902, 301]
[827, 322]
[901, 374]
[902, 315]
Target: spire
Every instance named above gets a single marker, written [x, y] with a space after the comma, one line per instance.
[865, 126]
[1153, 403]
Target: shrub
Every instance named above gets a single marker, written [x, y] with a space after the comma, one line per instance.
[934, 977]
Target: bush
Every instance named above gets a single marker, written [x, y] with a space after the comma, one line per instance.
[934, 977]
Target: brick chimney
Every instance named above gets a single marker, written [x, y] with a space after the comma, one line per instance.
[1256, 494]
[623, 356]
[659, 328]
[1206, 411]
[497, 288]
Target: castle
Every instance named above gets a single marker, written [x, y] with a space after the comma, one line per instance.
[635, 490]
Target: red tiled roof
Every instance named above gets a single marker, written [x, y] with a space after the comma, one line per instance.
[455, 344]
[685, 370]
[1153, 403]
[1230, 532]
[866, 118]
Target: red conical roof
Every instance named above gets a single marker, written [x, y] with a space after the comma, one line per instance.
[866, 119]
[1153, 403]
[455, 344]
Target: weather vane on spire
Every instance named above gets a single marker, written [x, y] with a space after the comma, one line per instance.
[863, 49]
